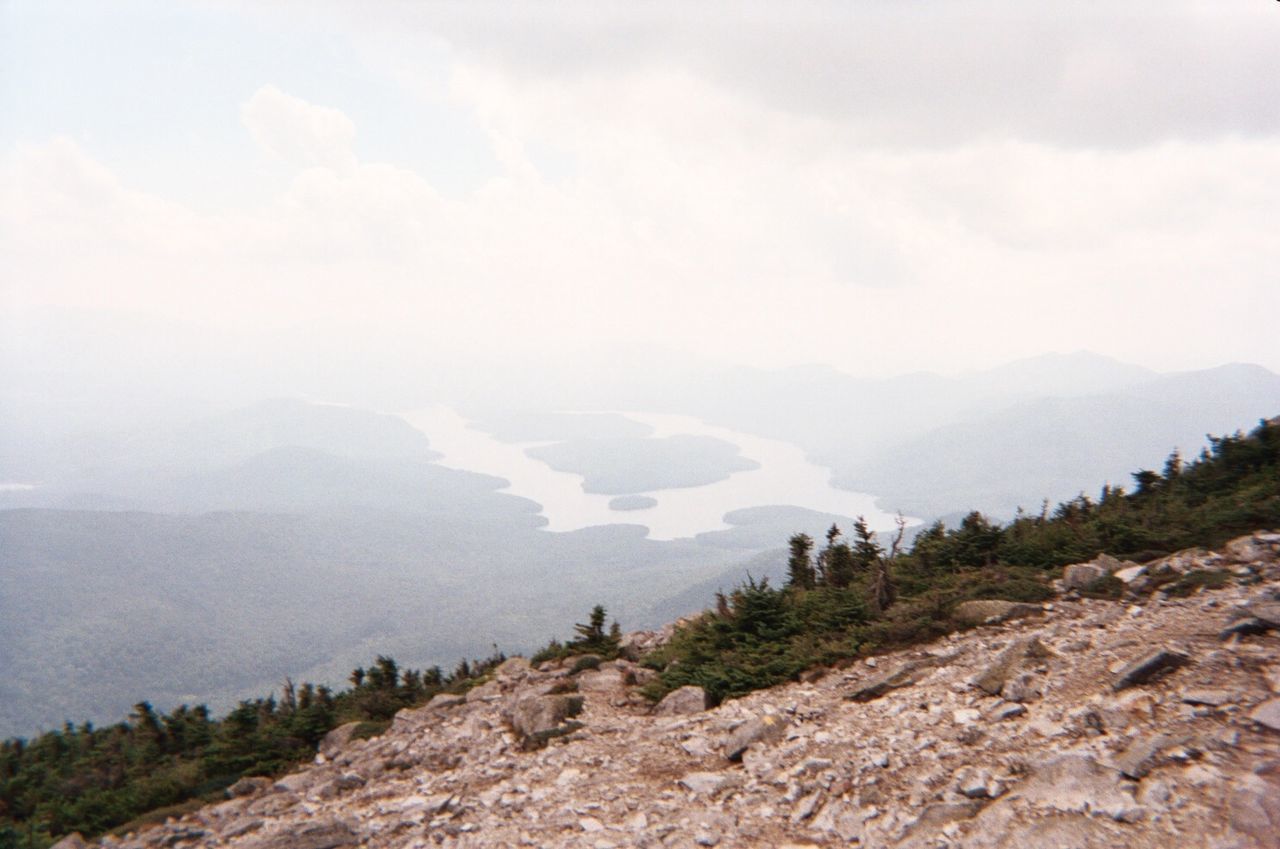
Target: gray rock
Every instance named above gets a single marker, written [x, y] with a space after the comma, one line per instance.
[337, 739]
[765, 729]
[1077, 783]
[992, 679]
[1001, 712]
[1129, 574]
[295, 782]
[705, 783]
[1246, 627]
[1142, 754]
[1021, 688]
[905, 675]
[1267, 714]
[986, 612]
[1079, 576]
[684, 700]
[1212, 698]
[533, 716]
[513, 668]
[935, 816]
[487, 691]
[1266, 612]
[1253, 809]
[1149, 667]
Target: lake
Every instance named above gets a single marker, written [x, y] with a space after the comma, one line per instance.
[785, 477]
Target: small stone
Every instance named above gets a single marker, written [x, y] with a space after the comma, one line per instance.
[1148, 667]
[1212, 698]
[1267, 714]
[765, 729]
[705, 783]
[590, 825]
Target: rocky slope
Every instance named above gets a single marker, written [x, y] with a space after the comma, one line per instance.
[1085, 723]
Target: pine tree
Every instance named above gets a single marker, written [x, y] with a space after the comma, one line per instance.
[800, 571]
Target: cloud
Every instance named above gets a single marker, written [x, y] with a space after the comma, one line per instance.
[299, 132]
[1120, 74]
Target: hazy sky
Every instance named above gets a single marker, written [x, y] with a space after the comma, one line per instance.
[881, 186]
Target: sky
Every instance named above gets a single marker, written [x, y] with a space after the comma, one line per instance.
[880, 187]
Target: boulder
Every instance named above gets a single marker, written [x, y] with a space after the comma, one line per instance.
[909, 673]
[513, 668]
[337, 739]
[991, 611]
[1076, 782]
[765, 729]
[488, 691]
[533, 717]
[992, 679]
[684, 700]
[601, 681]
[1149, 667]
[1079, 576]
[71, 841]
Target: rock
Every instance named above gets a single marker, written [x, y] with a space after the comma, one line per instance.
[935, 816]
[1246, 627]
[1266, 612]
[1267, 714]
[1247, 549]
[1148, 667]
[1005, 711]
[1253, 809]
[765, 729]
[986, 612]
[513, 668]
[71, 841]
[905, 675]
[1078, 783]
[977, 784]
[1131, 573]
[248, 786]
[534, 717]
[601, 681]
[1079, 576]
[1212, 698]
[295, 782]
[684, 700]
[337, 739]
[705, 783]
[325, 834]
[1142, 754]
[992, 679]
[1022, 688]
[485, 692]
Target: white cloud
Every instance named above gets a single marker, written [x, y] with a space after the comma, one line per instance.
[299, 132]
[693, 216]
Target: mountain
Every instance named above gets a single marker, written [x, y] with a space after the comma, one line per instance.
[1055, 448]
[1070, 725]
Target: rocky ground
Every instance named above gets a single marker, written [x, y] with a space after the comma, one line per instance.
[1085, 723]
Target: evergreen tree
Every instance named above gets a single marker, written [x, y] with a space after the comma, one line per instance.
[800, 571]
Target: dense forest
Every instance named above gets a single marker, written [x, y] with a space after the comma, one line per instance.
[853, 596]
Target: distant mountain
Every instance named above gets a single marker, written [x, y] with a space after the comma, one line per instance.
[1056, 448]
